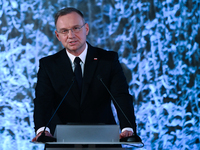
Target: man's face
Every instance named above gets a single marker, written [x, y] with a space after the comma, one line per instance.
[74, 42]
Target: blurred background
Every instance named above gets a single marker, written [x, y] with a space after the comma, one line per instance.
[158, 42]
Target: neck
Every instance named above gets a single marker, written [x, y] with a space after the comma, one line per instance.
[78, 51]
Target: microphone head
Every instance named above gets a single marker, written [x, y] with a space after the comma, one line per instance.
[133, 138]
[73, 78]
[99, 77]
[43, 138]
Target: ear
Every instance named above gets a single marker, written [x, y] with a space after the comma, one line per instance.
[87, 28]
[57, 35]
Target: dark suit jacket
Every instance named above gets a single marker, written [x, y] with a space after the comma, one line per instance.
[55, 76]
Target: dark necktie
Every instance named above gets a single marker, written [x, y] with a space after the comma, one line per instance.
[78, 72]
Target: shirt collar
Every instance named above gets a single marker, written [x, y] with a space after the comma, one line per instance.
[82, 56]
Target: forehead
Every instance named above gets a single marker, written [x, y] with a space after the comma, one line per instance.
[69, 20]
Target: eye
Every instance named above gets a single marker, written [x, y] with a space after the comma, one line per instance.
[76, 28]
[64, 31]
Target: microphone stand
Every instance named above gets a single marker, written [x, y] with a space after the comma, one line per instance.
[43, 138]
[134, 137]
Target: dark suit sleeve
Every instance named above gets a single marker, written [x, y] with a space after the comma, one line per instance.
[119, 88]
[44, 94]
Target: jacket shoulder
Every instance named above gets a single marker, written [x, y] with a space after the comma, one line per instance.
[53, 56]
[105, 53]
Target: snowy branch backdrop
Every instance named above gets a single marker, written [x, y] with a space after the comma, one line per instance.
[158, 42]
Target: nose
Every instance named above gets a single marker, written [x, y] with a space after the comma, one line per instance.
[71, 33]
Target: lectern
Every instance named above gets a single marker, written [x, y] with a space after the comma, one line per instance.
[86, 137]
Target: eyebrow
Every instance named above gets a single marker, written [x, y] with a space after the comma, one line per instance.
[69, 28]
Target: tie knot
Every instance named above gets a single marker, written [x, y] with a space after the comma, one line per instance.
[77, 60]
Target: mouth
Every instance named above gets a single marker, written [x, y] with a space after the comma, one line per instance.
[71, 42]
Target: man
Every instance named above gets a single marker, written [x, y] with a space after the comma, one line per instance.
[88, 101]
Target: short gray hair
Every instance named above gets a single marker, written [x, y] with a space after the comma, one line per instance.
[66, 11]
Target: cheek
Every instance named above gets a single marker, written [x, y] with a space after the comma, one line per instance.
[82, 37]
[63, 39]
[79, 37]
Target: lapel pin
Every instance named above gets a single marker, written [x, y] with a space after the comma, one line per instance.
[95, 58]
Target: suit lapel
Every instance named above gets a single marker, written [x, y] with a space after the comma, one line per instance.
[89, 70]
[65, 68]
[64, 65]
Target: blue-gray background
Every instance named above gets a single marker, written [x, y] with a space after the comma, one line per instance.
[158, 42]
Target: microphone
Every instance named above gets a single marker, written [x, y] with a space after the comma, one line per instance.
[134, 137]
[43, 138]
